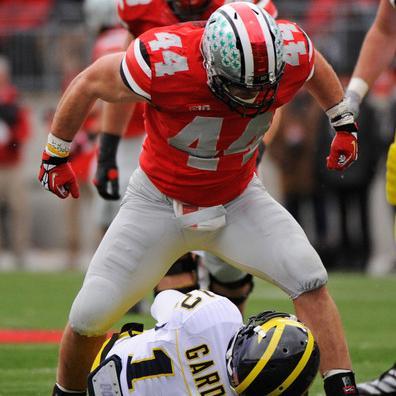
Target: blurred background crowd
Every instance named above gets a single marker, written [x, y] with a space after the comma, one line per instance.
[45, 43]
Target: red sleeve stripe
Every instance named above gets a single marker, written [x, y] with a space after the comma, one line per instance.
[265, 31]
[140, 60]
[132, 84]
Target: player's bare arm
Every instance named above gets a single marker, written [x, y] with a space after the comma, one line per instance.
[115, 116]
[324, 85]
[101, 80]
[326, 88]
[379, 44]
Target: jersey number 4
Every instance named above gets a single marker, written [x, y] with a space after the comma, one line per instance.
[173, 62]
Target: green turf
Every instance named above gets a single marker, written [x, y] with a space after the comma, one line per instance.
[42, 301]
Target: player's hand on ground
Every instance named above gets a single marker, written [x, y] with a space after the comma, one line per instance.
[56, 175]
[344, 148]
[106, 180]
[391, 175]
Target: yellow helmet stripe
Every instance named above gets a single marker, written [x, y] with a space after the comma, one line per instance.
[298, 369]
[266, 355]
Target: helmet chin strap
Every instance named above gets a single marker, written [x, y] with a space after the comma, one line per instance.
[229, 353]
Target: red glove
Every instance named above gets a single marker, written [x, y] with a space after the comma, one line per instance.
[56, 175]
[344, 148]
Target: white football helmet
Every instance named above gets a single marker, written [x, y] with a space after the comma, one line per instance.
[243, 51]
[100, 14]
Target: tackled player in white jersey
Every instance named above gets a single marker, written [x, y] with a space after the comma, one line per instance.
[201, 347]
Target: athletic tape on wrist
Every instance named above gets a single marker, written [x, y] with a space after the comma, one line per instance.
[57, 147]
[359, 87]
[340, 114]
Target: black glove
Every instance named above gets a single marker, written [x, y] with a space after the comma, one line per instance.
[106, 177]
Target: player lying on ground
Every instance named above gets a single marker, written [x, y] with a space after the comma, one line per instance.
[200, 346]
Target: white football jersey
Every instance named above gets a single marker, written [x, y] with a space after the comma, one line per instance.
[185, 353]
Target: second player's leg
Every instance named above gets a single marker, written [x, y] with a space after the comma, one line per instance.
[228, 281]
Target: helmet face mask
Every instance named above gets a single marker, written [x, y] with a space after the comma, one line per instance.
[247, 101]
[242, 48]
[189, 10]
[273, 352]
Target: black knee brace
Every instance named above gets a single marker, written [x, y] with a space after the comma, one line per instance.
[237, 300]
[185, 264]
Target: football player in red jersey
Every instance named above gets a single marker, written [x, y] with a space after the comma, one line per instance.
[138, 17]
[210, 91]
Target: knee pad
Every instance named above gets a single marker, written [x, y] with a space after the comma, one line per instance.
[86, 325]
[98, 305]
[187, 264]
[305, 270]
[237, 291]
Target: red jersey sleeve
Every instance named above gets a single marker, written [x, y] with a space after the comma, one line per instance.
[135, 69]
[131, 14]
[138, 16]
[299, 56]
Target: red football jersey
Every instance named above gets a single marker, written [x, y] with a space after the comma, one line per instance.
[197, 150]
[110, 41]
[142, 15]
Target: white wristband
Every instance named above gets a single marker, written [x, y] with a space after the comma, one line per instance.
[340, 114]
[57, 147]
[359, 86]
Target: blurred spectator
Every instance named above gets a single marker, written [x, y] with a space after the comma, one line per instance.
[18, 19]
[338, 27]
[292, 149]
[14, 131]
[350, 192]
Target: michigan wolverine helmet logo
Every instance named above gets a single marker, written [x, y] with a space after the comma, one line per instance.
[274, 354]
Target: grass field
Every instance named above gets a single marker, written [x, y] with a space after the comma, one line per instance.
[42, 301]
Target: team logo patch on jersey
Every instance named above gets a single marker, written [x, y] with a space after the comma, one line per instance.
[199, 107]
